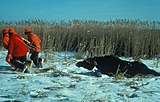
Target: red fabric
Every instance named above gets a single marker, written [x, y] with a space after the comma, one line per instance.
[8, 58]
[5, 41]
[17, 47]
[27, 30]
[11, 30]
[5, 30]
[35, 40]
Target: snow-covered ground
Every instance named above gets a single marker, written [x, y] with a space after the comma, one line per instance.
[67, 83]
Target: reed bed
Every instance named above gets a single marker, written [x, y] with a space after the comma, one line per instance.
[122, 37]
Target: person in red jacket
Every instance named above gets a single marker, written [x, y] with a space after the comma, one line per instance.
[34, 41]
[5, 39]
[17, 50]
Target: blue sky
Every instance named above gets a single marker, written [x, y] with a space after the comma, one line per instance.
[11, 10]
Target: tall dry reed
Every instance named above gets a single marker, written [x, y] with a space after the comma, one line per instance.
[120, 37]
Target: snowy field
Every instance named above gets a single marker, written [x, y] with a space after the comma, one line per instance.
[67, 83]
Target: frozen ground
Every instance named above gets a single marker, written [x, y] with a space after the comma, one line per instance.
[67, 83]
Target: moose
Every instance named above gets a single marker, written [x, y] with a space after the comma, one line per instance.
[111, 64]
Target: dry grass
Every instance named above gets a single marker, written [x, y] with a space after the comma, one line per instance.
[121, 37]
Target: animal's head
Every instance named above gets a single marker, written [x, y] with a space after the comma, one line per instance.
[87, 63]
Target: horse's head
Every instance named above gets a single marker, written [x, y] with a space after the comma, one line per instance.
[88, 63]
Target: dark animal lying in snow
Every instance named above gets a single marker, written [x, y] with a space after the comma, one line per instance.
[110, 65]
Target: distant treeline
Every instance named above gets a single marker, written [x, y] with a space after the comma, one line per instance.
[120, 37]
